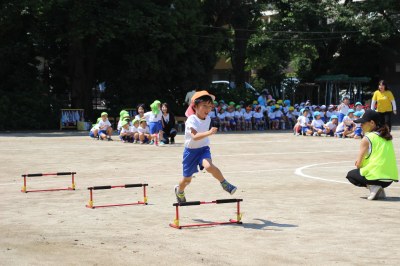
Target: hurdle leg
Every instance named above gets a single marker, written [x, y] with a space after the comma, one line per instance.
[73, 182]
[144, 195]
[176, 220]
[90, 204]
[238, 215]
[24, 187]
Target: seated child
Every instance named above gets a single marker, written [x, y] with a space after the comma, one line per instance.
[125, 134]
[348, 123]
[239, 118]
[330, 127]
[279, 117]
[230, 117]
[222, 120]
[144, 132]
[291, 117]
[94, 131]
[123, 116]
[134, 129]
[357, 134]
[317, 124]
[105, 129]
[213, 115]
[258, 118]
[304, 123]
[247, 118]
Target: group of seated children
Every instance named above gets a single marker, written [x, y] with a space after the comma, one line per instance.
[311, 124]
[145, 128]
[252, 117]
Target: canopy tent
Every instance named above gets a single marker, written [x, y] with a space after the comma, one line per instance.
[342, 84]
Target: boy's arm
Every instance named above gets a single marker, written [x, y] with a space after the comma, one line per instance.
[198, 136]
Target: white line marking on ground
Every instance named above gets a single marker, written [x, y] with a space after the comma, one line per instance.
[299, 172]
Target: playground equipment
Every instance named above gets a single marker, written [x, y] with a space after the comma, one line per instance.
[238, 220]
[90, 204]
[49, 174]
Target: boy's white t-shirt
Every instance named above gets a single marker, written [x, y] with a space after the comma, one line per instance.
[278, 114]
[347, 121]
[238, 114]
[317, 123]
[133, 129]
[200, 126]
[123, 130]
[106, 124]
[340, 127]
[344, 109]
[331, 125]
[221, 116]
[230, 114]
[145, 130]
[303, 121]
[247, 115]
[258, 115]
[271, 115]
[212, 114]
[153, 117]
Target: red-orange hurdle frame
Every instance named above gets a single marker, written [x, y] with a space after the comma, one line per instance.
[220, 201]
[72, 174]
[91, 206]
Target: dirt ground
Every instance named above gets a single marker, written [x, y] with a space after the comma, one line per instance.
[297, 206]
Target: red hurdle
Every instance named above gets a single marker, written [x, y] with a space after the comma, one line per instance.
[50, 189]
[90, 204]
[220, 201]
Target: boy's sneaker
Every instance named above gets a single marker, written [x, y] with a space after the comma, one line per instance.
[151, 142]
[180, 196]
[110, 139]
[172, 141]
[228, 187]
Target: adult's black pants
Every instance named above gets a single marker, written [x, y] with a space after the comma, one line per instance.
[386, 118]
[358, 180]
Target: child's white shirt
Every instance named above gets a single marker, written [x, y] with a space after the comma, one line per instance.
[347, 121]
[142, 130]
[271, 115]
[340, 127]
[152, 117]
[258, 115]
[230, 115]
[212, 114]
[123, 130]
[278, 114]
[133, 129]
[221, 116]
[318, 123]
[344, 109]
[193, 122]
[104, 125]
[329, 114]
[238, 114]
[303, 121]
[331, 125]
[248, 115]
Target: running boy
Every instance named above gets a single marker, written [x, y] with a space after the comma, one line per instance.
[197, 151]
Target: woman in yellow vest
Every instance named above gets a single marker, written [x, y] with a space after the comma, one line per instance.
[383, 102]
[376, 162]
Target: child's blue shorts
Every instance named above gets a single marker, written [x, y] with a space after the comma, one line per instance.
[102, 132]
[91, 134]
[248, 120]
[257, 120]
[193, 158]
[358, 131]
[155, 127]
[232, 121]
[304, 130]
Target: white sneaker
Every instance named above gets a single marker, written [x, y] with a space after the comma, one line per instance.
[374, 192]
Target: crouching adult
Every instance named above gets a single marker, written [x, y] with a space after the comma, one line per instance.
[376, 160]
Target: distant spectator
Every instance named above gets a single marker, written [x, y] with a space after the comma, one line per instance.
[386, 104]
[168, 124]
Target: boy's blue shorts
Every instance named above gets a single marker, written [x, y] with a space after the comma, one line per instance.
[91, 134]
[155, 127]
[257, 120]
[248, 120]
[193, 158]
[102, 132]
[358, 131]
[304, 130]
[232, 122]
